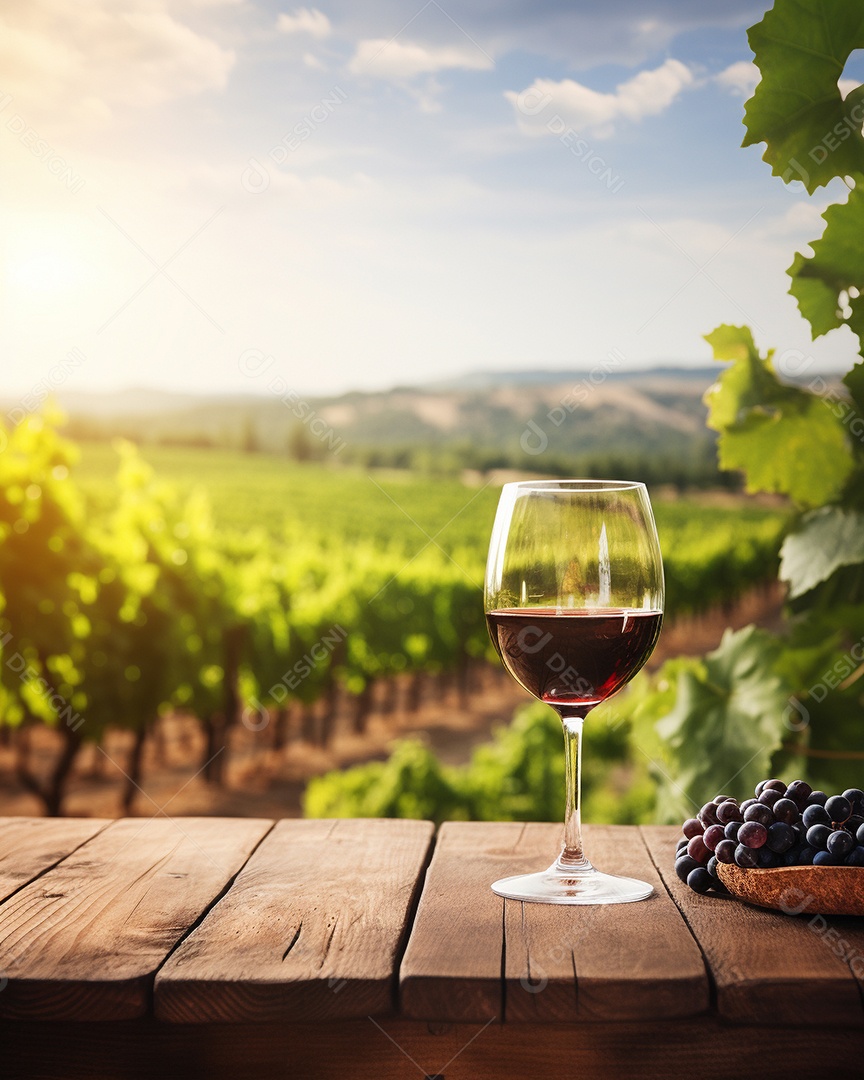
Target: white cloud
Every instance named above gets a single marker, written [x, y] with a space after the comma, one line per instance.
[312, 61]
[397, 60]
[80, 62]
[740, 78]
[646, 94]
[846, 86]
[305, 21]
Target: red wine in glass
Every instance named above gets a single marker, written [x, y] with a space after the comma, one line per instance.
[573, 657]
[574, 601]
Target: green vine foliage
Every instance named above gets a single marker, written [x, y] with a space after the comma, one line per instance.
[827, 286]
[791, 703]
[783, 438]
[811, 133]
[514, 777]
[43, 623]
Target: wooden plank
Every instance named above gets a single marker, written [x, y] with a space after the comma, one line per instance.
[393, 1049]
[621, 961]
[764, 964]
[452, 965]
[83, 941]
[311, 929]
[30, 846]
[603, 962]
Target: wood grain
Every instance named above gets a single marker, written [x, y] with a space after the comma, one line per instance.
[311, 929]
[765, 966]
[83, 941]
[604, 962]
[453, 963]
[30, 846]
[621, 961]
[401, 1050]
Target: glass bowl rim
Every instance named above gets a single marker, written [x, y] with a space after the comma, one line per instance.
[574, 485]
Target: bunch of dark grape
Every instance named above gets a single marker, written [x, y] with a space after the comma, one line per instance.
[781, 826]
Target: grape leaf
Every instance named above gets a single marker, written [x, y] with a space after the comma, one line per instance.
[835, 267]
[799, 451]
[854, 382]
[811, 133]
[783, 438]
[747, 383]
[826, 539]
[728, 717]
[732, 342]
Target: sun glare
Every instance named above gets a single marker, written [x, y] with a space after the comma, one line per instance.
[46, 271]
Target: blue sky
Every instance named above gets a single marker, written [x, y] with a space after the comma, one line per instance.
[382, 193]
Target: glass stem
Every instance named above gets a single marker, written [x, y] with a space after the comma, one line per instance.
[572, 856]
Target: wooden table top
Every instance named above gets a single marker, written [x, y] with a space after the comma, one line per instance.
[221, 921]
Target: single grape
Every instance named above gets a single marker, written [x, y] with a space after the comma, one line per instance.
[696, 850]
[823, 858]
[699, 880]
[855, 856]
[859, 834]
[781, 837]
[713, 835]
[759, 787]
[712, 866]
[721, 799]
[817, 798]
[770, 796]
[817, 836]
[746, 857]
[752, 834]
[692, 827]
[799, 791]
[760, 813]
[786, 810]
[746, 803]
[854, 823]
[729, 811]
[805, 856]
[855, 796]
[725, 851]
[684, 865]
[767, 858]
[815, 815]
[791, 857]
[774, 785]
[840, 843]
[838, 809]
[708, 814]
[732, 829]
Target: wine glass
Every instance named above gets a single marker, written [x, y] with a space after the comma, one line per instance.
[574, 603]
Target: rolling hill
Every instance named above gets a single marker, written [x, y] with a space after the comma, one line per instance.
[498, 418]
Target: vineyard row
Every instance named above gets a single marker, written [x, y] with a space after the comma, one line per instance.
[117, 614]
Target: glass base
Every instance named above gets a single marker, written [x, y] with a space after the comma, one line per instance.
[583, 886]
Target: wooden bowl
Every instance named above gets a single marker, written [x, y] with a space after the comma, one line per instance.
[798, 890]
